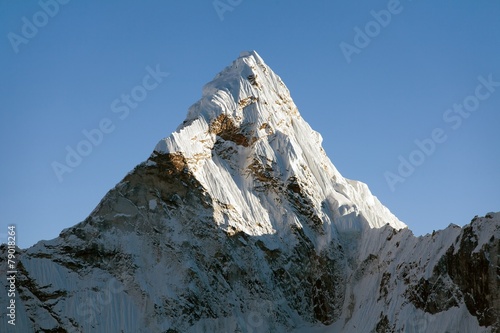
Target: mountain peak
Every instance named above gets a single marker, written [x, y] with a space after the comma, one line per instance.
[238, 221]
[252, 53]
[246, 142]
[246, 94]
[247, 81]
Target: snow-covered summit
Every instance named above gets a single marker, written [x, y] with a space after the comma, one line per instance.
[246, 81]
[246, 116]
[247, 92]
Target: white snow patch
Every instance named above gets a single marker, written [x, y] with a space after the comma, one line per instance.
[152, 204]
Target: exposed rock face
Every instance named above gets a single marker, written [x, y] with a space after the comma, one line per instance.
[239, 222]
[468, 273]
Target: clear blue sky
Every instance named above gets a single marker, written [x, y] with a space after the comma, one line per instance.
[395, 90]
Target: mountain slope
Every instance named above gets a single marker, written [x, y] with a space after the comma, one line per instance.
[239, 222]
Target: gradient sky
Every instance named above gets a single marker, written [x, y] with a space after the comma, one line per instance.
[370, 110]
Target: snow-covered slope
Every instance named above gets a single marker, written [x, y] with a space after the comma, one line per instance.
[239, 222]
